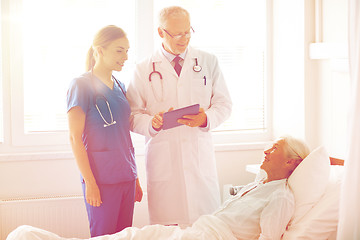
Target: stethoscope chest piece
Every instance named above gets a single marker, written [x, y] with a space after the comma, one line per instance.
[197, 68]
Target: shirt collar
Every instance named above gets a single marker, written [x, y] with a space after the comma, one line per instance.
[261, 181]
[170, 57]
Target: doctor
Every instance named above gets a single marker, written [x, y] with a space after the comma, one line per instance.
[180, 162]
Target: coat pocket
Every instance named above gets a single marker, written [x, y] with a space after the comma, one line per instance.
[201, 91]
[111, 167]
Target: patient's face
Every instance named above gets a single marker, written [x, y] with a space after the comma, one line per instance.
[275, 157]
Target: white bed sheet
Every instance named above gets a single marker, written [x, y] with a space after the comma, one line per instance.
[207, 227]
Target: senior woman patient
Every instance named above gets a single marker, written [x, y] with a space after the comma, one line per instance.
[261, 209]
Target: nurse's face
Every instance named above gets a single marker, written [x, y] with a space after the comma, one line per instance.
[175, 26]
[115, 54]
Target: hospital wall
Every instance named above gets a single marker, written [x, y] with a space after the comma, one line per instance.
[310, 94]
[56, 174]
[311, 84]
[49, 177]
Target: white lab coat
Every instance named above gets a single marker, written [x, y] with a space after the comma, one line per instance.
[182, 182]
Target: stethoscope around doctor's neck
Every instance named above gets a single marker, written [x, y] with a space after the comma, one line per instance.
[98, 95]
[196, 68]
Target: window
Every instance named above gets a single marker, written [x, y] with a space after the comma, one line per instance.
[48, 42]
[52, 40]
[236, 32]
[1, 88]
[55, 43]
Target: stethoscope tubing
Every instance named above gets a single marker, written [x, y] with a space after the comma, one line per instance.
[97, 95]
[196, 68]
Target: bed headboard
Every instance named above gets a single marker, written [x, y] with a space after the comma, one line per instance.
[336, 161]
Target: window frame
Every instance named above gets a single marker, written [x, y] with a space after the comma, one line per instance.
[2, 98]
[18, 135]
[13, 82]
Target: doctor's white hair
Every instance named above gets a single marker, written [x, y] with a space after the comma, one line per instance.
[295, 148]
[167, 12]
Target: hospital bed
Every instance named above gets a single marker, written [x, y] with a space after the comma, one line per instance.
[316, 186]
[317, 205]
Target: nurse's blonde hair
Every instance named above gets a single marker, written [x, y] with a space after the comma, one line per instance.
[102, 38]
[165, 13]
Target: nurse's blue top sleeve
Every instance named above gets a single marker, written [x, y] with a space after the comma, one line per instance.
[78, 94]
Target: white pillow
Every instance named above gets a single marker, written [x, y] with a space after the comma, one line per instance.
[308, 182]
[322, 220]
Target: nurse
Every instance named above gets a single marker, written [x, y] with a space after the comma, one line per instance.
[98, 116]
[180, 162]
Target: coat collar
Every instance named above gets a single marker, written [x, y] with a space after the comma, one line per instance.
[164, 64]
[159, 56]
[170, 57]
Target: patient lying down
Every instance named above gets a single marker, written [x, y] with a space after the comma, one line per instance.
[261, 210]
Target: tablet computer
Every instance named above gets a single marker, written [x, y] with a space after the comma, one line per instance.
[170, 118]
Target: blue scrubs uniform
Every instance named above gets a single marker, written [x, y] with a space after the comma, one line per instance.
[110, 152]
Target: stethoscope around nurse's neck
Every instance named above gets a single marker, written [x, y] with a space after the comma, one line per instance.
[97, 95]
[196, 68]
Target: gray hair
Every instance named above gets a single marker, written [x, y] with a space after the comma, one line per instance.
[167, 12]
[295, 148]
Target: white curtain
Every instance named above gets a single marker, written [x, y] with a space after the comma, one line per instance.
[349, 222]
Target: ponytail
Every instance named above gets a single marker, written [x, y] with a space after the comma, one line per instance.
[90, 61]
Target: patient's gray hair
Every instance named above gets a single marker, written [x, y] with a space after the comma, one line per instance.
[165, 13]
[295, 148]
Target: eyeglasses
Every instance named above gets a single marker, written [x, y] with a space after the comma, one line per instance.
[178, 36]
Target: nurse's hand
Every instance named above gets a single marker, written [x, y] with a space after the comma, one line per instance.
[138, 191]
[92, 194]
[157, 121]
[197, 120]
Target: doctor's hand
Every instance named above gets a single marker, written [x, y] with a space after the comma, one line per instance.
[138, 191]
[157, 121]
[92, 194]
[198, 120]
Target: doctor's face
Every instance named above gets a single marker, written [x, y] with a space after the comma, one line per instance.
[176, 26]
[115, 54]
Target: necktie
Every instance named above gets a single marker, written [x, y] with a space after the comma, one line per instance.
[177, 66]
